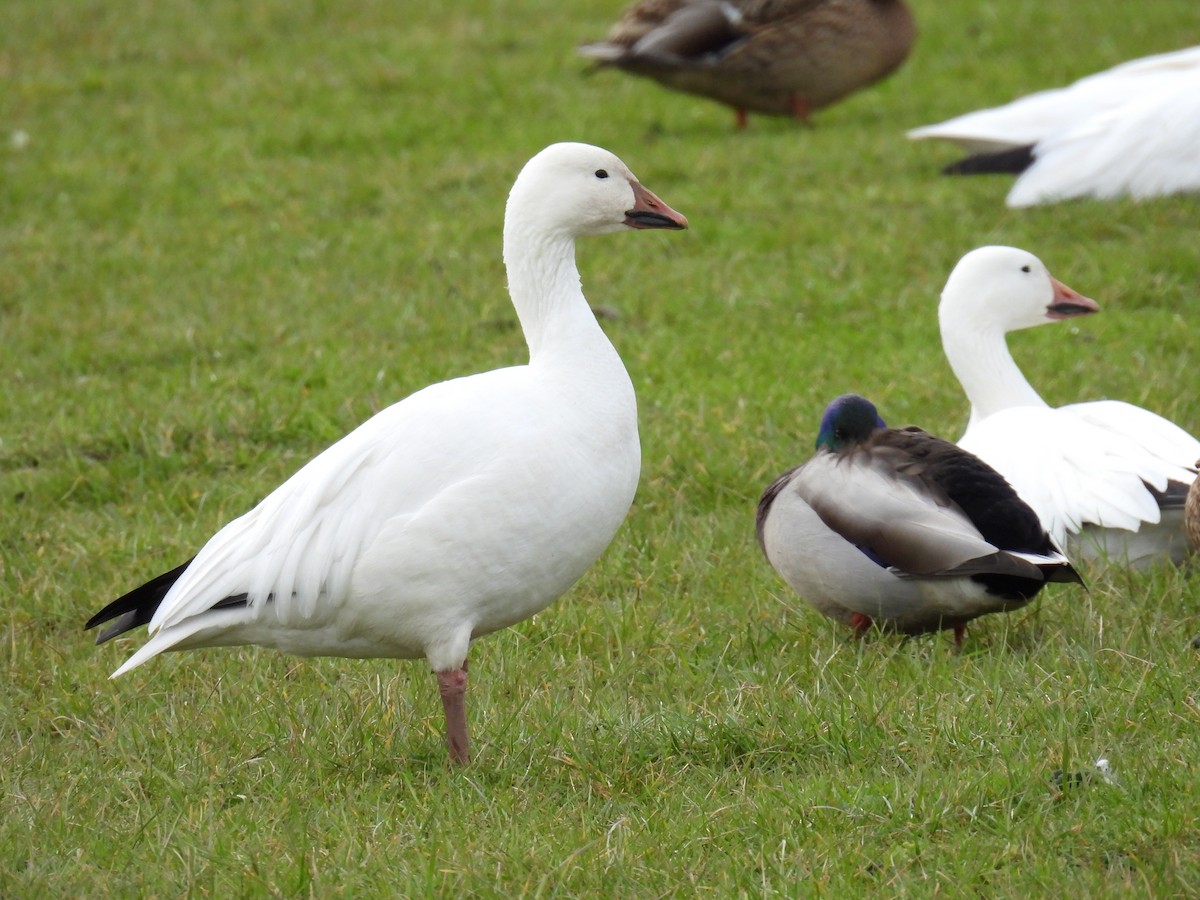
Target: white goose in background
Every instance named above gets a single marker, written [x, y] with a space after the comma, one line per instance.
[465, 508]
[1130, 130]
[1107, 478]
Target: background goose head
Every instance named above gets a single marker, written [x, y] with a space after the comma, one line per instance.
[850, 419]
[576, 190]
[1002, 289]
[994, 290]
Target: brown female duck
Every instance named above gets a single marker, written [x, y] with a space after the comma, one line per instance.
[1191, 512]
[778, 57]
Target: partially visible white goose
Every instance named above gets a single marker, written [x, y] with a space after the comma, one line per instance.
[463, 509]
[1107, 478]
[1130, 130]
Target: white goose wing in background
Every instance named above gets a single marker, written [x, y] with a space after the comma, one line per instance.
[1129, 131]
[1147, 147]
[1033, 117]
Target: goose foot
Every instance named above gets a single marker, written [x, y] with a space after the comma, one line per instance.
[452, 685]
[740, 119]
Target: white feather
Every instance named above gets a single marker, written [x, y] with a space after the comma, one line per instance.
[1131, 130]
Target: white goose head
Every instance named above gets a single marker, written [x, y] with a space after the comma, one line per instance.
[1006, 289]
[565, 192]
[992, 291]
[574, 190]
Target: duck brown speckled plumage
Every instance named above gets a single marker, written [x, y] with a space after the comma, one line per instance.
[1191, 512]
[778, 57]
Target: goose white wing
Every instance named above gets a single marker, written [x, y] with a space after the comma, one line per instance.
[1146, 147]
[1069, 470]
[1020, 123]
[1030, 119]
[298, 547]
[1175, 449]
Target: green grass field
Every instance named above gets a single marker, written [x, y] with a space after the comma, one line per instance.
[230, 232]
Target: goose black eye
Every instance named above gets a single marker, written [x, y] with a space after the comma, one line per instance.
[600, 173]
[1025, 269]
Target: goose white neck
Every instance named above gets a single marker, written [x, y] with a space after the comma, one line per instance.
[543, 282]
[978, 354]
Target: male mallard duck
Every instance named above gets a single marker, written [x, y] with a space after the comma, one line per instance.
[1107, 478]
[465, 508]
[779, 57]
[903, 529]
[1131, 130]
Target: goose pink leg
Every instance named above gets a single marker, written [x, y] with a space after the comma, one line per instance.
[452, 684]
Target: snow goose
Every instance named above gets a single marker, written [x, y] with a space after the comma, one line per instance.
[463, 509]
[902, 529]
[778, 57]
[1107, 478]
[1131, 130]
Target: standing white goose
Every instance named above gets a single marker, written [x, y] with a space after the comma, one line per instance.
[463, 509]
[898, 528]
[1130, 130]
[1107, 478]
